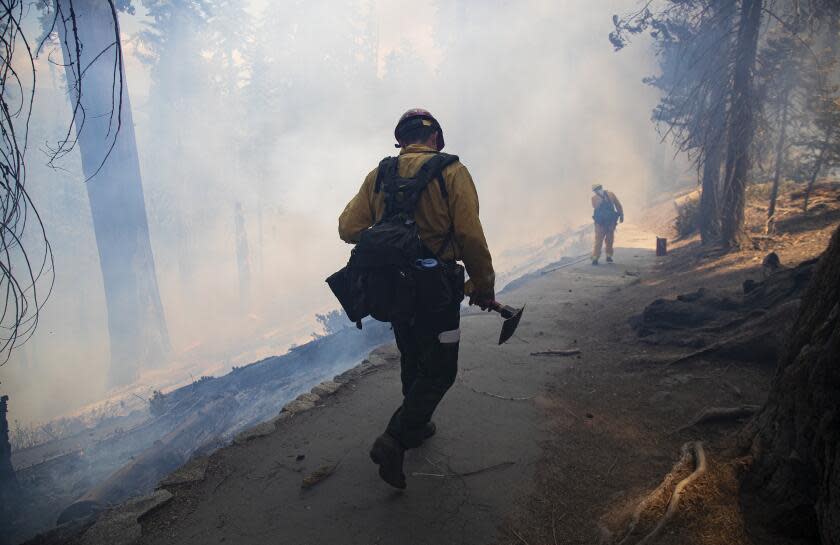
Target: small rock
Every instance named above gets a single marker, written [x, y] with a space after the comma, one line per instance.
[326, 388]
[298, 406]
[259, 430]
[191, 472]
[309, 396]
[119, 526]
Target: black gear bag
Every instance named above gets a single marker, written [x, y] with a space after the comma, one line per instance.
[383, 277]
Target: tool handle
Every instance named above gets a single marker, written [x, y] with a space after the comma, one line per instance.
[505, 310]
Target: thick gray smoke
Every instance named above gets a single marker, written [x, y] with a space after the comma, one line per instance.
[255, 127]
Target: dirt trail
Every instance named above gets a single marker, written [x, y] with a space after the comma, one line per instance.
[461, 484]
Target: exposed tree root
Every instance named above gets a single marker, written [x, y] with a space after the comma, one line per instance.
[702, 352]
[699, 469]
[691, 450]
[718, 414]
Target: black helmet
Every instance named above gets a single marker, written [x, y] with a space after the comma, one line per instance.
[415, 118]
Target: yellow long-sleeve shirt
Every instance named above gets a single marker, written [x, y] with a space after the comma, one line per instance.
[436, 217]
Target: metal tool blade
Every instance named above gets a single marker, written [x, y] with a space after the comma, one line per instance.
[510, 324]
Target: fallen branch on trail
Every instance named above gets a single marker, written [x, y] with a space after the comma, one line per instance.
[494, 467]
[497, 396]
[557, 353]
[569, 264]
[721, 414]
[317, 476]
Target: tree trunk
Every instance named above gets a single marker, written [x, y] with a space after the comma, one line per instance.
[833, 45]
[243, 259]
[740, 128]
[796, 436]
[715, 138]
[780, 154]
[136, 323]
[9, 489]
[709, 216]
[817, 167]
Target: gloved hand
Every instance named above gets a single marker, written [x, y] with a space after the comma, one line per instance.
[483, 300]
[621, 218]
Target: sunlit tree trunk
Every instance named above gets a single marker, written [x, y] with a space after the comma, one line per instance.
[136, 323]
[741, 127]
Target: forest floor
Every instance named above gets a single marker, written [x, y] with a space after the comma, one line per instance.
[531, 449]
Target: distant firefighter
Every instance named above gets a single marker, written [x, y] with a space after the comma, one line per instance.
[608, 212]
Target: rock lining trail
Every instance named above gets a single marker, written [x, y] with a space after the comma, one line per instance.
[461, 484]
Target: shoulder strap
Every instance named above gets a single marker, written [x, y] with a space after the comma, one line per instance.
[403, 194]
[608, 198]
[433, 168]
[387, 166]
[606, 201]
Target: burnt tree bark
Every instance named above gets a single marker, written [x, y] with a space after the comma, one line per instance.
[796, 436]
[741, 126]
[136, 323]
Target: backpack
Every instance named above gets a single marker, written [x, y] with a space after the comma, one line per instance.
[382, 278]
[606, 213]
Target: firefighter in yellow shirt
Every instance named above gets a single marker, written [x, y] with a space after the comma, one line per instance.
[607, 212]
[446, 216]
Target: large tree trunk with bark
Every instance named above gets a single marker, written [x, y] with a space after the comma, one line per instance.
[740, 128]
[715, 139]
[796, 436]
[136, 323]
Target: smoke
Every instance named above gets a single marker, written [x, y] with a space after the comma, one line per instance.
[283, 119]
